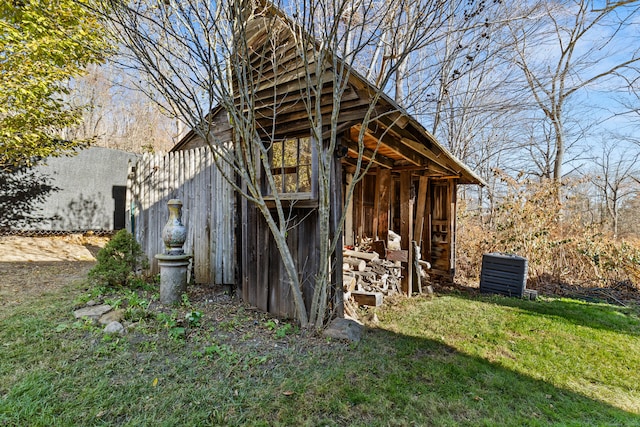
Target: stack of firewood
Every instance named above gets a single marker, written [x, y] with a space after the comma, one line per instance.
[367, 278]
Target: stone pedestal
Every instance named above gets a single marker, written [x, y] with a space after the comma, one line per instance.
[173, 277]
[173, 263]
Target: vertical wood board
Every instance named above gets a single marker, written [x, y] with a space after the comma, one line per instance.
[192, 177]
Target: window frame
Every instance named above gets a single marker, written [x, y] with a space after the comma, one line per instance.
[293, 196]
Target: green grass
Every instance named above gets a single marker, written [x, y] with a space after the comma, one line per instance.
[447, 361]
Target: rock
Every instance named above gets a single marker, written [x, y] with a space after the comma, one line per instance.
[112, 316]
[94, 312]
[114, 328]
[91, 303]
[344, 329]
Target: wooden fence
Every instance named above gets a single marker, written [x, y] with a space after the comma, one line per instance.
[208, 210]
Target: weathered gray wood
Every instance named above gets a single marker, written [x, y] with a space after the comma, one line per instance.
[202, 206]
[405, 227]
[208, 210]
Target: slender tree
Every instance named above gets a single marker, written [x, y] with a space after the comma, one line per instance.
[615, 181]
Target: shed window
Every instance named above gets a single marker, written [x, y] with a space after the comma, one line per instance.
[292, 166]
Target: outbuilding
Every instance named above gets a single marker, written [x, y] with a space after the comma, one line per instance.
[409, 188]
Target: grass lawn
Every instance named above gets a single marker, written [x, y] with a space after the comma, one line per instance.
[447, 361]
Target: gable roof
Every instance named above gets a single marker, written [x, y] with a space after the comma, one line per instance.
[392, 138]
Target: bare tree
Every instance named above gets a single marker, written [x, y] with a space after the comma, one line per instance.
[615, 179]
[201, 55]
[565, 48]
[117, 115]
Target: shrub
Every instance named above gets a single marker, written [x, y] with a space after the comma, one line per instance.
[560, 245]
[524, 222]
[119, 261]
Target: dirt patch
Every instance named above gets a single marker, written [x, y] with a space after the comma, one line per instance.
[32, 266]
[75, 247]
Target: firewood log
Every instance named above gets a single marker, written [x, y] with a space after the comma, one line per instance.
[355, 263]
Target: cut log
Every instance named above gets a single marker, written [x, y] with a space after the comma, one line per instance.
[373, 299]
[355, 263]
[349, 283]
[366, 274]
[367, 256]
[350, 308]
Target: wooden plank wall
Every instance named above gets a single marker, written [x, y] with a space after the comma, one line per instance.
[208, 210]
[264, 283]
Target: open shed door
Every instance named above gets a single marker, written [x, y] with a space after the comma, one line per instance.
[441, 227]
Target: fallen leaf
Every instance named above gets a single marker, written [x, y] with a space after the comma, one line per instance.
[154, 382]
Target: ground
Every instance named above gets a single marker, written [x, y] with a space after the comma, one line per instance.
[451, 359]
[34, 266]
[30, 266]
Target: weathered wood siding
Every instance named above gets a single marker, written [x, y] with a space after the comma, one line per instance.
[264, 280]
[220, 130]
[208, 210]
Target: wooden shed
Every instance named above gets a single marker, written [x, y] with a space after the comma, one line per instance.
[410, 187]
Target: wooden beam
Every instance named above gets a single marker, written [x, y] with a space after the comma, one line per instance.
[394, 144]
[425, 150]
[340, 129]
[334, 225]
[368, 155]
[400, 119]
[405, 235]
[452, 224]
[372, 299]
[358, 207]
[384, 192]
[421, 209]
[376, 205]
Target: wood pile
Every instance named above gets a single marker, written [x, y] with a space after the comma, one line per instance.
[367, 278]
